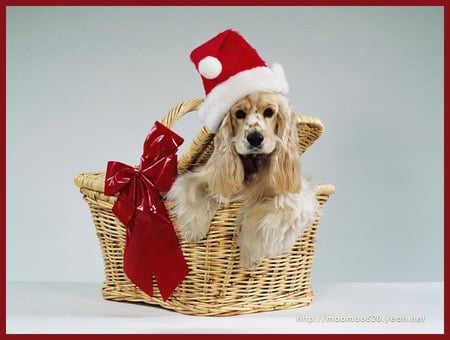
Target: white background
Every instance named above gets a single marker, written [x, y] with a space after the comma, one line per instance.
[358, 308]
[85, 84]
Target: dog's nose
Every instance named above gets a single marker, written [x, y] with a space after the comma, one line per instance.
[255, 138]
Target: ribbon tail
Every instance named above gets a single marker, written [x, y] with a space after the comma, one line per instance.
[133, 266]
[168, 263]
[124, 209]
[148, 254]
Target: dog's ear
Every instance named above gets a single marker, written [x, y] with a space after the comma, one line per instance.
[225, 171]
[285, 162]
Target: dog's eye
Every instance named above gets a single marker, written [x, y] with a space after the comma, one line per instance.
[268, 112]
[240, 114]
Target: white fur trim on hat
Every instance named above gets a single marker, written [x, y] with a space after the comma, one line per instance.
[223, 96]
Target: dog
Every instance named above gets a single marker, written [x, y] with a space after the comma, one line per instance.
[255, 160]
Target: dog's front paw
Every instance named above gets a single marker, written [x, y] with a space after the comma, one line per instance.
[192, 235]
[251, 255]
[194, 229]
[250, 262]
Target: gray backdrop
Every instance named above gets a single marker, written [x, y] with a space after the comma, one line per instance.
[85, 84]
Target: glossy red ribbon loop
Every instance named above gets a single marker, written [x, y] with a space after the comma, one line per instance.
[151, 246]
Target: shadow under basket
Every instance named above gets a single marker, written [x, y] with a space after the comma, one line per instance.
[216, 284]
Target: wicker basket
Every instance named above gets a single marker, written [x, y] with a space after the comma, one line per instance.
[216, 284]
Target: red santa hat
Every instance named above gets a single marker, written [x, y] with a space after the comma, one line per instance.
[230, 69]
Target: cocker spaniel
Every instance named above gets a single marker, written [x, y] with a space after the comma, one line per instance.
[256, 160]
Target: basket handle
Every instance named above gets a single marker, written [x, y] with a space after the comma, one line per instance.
[200, 142]
[309, 129]
[180, 110]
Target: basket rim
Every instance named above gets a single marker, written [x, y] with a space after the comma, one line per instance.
[96, 180]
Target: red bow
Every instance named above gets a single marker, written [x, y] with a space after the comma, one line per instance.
[151, 246]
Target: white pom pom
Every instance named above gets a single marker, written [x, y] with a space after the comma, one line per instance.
[210, 67]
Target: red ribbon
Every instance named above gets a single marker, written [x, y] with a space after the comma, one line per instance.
[151, 246]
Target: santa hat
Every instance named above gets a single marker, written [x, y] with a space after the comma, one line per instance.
[230, 69]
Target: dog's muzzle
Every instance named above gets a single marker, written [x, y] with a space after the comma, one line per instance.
[255, 139]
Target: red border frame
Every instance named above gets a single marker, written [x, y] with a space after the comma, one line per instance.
[196, 3]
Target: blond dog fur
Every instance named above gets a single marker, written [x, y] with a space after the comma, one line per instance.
[279, 203]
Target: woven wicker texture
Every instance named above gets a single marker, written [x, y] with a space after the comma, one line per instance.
[216, 284]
